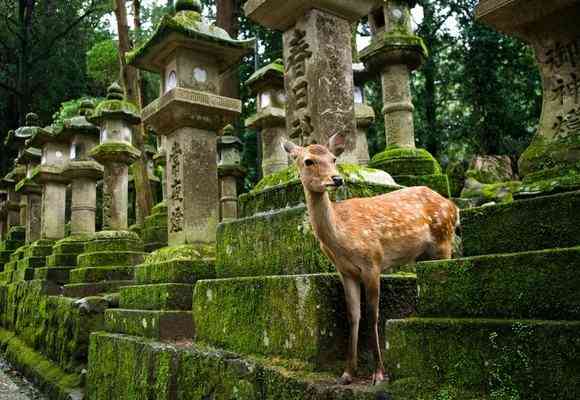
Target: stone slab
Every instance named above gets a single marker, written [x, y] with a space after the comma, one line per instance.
[59, 275]
[161, 325]
[524, 225]
[168, 296]
[63, 259]
[110, 258]
[31, 262]
[174, 271]
[93, 289]
[534, 285]
[101, 274]
[534, 359]
[294, 317]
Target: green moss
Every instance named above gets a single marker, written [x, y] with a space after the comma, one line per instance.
[395, 41]
[183, 252]
[175, 271]
[162, 325]
[502, 192]
[525, 225]
[541, 285]
[406, 161]
[531, 359]
[115, 151]
[87, 275]
[166, 296]
[296, 317]
[110, 259]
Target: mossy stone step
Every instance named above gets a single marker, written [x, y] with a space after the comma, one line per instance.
[174, 271]
[536, 285]
[10, 245]
[68, 246]
[63, 259]
[159, 208]
[39, 249]
[438, 183]
[114, 241]
[154, 220]
[59, 275]
[300, 317]
[534, 224]
[6, 276]
[18, 254]
[99, 274]
[110, 259]
[150, 247]
[167, 296]
[31, 262]
[534, 359]
[5, 256]
[23, 274]
[161, 325]
[155, 234]
[93, 289]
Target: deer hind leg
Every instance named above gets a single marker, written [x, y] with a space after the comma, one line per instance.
[352, 291]
[372, 291]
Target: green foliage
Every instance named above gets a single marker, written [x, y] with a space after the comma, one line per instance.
[103, 62]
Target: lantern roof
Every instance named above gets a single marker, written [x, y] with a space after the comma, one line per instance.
[79, 124]
[115, 107]
[271, 74]
[187, 29]
[18, 138]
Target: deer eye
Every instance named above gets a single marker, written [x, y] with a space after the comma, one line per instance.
[308, 163]
[334, 161]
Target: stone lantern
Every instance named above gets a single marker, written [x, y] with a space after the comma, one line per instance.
[551, 163]
[267, 84]
[364, 114]
[190, 55]
[318, 61]
[115, 117]
[82, 171]
[160, 161]
[394, 53]
[230, 171]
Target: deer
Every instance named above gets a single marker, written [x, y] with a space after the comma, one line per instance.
[365, 237]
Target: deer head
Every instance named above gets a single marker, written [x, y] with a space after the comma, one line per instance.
[317, 164]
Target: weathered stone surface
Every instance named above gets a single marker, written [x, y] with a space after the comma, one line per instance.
[161, 325]
[81, 290]
[531, 359]
[295, 317]
[165, 297]
[534, 224]
[491, 169]
[502, 192]
[100, 274]
[175, 271]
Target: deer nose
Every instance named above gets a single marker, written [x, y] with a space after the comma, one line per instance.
[338, 181]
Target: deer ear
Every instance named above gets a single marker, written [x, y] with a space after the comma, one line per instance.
[336, 144]
[292, 150]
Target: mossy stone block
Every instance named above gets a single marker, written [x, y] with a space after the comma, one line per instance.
[47, 375]
[99, 274]
[537, 285]
[18, 253]
[162, 296]
[438, 183]
[295, 317]
[62, 260]
[110, 259]
[175, 271]
[537, 360]
[525, 225]
[156, 220]
[59, 275]
[78, 290]
[117, 244]
[24, 274]
[406, 161]
[31, 262]
[10, 245]
[38, 250]
[161, 325]
[6, 276]
[5, 256]
[277, 243]
[70, 245]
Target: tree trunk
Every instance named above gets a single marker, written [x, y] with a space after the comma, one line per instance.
[227, 19]
[132, 83]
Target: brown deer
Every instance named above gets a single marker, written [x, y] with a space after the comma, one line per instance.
[366, 237]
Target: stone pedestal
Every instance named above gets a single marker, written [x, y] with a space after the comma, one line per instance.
[365, 117]
[552, 162]
[83, 176]
[230, 172]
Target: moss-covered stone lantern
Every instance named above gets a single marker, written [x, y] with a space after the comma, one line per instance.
[267, 84]
[230, 172]
[160, 163]
[394, 53]
[318, 63]
[115, 116]
[551, 163]
[364, 114]
[82, 171]
[55, 153]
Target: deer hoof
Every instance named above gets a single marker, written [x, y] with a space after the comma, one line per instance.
[345, 379]
[379, 377]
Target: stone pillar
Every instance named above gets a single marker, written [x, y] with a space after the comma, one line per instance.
[53, 211]
[30, 195]
[83, 206]
[552, 162]
[267, 84]
[115, 117]
[230, 171]
[364, 114]
[318, 61]
[398, 107]
[33, 216]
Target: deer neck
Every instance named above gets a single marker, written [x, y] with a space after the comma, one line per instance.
[323, 218]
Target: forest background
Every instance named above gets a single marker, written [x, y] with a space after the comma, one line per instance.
[479, 92]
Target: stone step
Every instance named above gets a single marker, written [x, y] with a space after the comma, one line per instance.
[161, 325]
[59, 275]
[39, 249]
[23, 274]
[534, 359]
[150, 247]
[62, 259]
[300, 317]
[100, 274]
[31, 262]
[168, 296]
[174, 271]
[117, 241]
[10, 245]
[69, 246]
[110, 258]
[18, 253]
[5, 256]
[93, 289]
[524, 225]
[532, 285]
[6, 276]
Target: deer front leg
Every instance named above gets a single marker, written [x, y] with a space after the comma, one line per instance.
[352, 293]
[373, 291]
